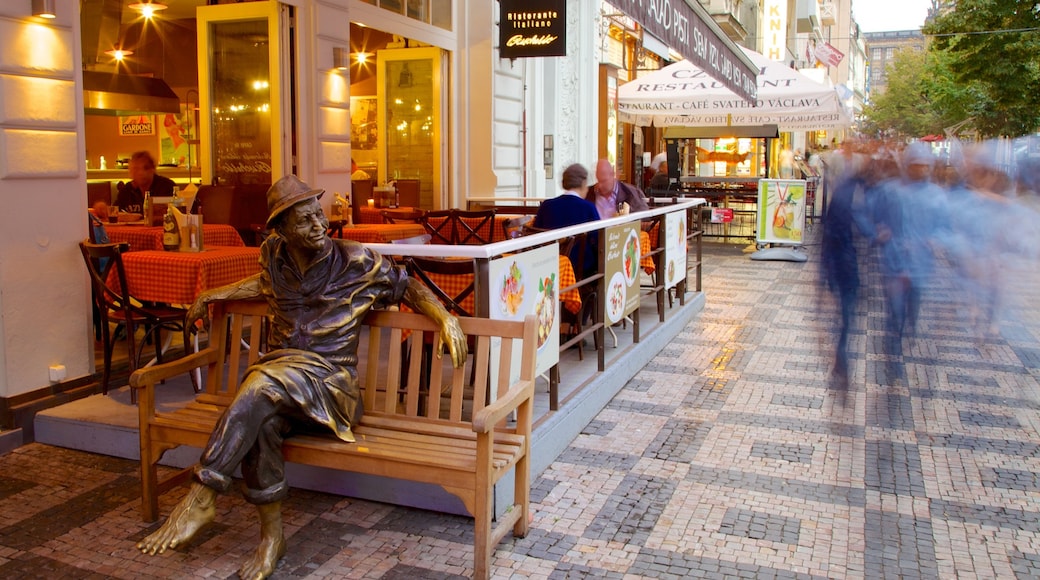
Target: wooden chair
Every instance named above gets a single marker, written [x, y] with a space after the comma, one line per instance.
[407, 192]
[115, 304]
[402, 216]
[474, 227]
[440, 226]
[361, 191]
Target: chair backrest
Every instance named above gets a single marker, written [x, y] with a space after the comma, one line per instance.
[217, 203]
[100, 191]
[474, 228]
[407, 192]
[440, 226]
[419, 240]
[451, 281]
[100, 259]
[402, 216]
[361, 190]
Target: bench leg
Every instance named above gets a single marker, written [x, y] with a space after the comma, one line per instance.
[149, 489]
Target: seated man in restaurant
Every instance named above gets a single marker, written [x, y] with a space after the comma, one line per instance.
[571, 208]
[660, 180]
[610, 193]
[143, 179]
[318, 290]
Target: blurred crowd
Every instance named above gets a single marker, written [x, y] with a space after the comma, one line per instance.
[920, 212]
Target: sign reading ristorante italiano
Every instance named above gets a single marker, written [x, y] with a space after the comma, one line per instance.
[688, 28]
[532, 28]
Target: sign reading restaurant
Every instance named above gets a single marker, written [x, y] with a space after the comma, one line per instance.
[532, 28]
[686, 27]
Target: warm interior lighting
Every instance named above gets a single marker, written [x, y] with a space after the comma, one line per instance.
[148, 9]
[362, 57]
[118, 53]
[43, 8]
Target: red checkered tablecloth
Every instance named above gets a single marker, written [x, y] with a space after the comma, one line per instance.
[150, 237]
[646, 261]
[178, 277]
[381, 233]
[496, 233]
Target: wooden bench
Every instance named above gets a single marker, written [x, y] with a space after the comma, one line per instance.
[445, 433]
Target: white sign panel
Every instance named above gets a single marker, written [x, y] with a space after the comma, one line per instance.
[529, 283]
[674, 248]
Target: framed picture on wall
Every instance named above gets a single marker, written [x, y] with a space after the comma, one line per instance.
[137, 125]
[364, 129]
[176, 138]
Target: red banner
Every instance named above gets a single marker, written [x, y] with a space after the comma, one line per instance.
[828, 55]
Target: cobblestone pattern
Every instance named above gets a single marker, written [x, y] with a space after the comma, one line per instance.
[729, 455]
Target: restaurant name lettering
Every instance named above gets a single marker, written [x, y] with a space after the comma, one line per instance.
[531, 28]
[691, 31]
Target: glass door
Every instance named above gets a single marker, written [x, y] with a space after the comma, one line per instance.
[245, 84]
[411, 93]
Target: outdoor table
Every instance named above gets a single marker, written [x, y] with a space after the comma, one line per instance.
[145, 237]
[378, 233]
[179, 277]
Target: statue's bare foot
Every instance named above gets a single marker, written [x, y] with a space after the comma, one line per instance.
[272, 544]
[191, 514]
[263, 561]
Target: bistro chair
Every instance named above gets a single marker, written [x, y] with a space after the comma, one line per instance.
[115, 304]
[402, 216]
[474, 228]
[440, 226]
[407, 192]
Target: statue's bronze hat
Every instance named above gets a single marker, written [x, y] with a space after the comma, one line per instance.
[287, 192]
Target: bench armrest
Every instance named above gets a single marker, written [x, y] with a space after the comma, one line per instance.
[485, 420]
[143, 377]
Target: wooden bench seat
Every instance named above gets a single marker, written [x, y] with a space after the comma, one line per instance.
[443, 431]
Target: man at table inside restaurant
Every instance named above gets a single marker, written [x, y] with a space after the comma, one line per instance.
[610, 194]
[142, 178]
[571, 208]
[319, 290]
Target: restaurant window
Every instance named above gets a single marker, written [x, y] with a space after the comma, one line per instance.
[435, 12]
[245, 76]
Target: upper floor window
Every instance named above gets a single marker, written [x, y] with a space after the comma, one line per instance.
[435, 12]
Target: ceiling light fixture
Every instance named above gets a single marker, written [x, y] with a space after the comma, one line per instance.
[118, 53]
[148, 9]
[43, 8]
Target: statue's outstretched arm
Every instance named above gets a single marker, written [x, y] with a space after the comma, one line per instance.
[241, 290]
[420, 299]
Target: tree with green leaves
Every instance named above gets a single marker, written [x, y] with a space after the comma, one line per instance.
[994, 50]
[922, 97]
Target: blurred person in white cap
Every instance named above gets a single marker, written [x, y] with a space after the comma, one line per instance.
[910, 218]
[319, 290]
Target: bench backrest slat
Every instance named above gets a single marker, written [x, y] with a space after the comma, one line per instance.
[398, 374]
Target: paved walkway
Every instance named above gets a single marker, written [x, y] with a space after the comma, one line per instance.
[728, 456]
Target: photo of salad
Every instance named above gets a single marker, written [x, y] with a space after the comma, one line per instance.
[616, 292]
[512, 294]
[671, 271]
[545, 310]
[630, 258]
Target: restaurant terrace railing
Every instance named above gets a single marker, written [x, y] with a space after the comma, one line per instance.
[668, 268]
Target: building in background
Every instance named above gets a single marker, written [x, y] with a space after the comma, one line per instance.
[881, 50]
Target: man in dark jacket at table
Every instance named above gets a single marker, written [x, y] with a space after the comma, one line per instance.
[142, 178]
[319, 290]
[609, 193]
[571, 208]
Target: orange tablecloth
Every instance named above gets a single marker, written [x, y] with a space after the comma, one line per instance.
[178, 277]
[381, 233]
[646, 261]
[454, 284]
[150, 237]
[369, 215]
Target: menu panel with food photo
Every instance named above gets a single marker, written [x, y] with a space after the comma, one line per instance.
[674, 248]
[528, 283]
[622, 271]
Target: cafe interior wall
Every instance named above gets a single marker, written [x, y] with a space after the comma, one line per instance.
[44, 295]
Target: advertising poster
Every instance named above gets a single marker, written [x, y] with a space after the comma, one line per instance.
[136, 125]
[781, 211]
[528, 283]
[674, 248]
[622, 271]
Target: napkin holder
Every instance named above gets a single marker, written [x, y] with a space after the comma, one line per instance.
[190, 226]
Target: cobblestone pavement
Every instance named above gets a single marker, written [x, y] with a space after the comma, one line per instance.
[729, 455]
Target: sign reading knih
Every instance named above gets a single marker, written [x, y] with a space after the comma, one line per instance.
[530, 28]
